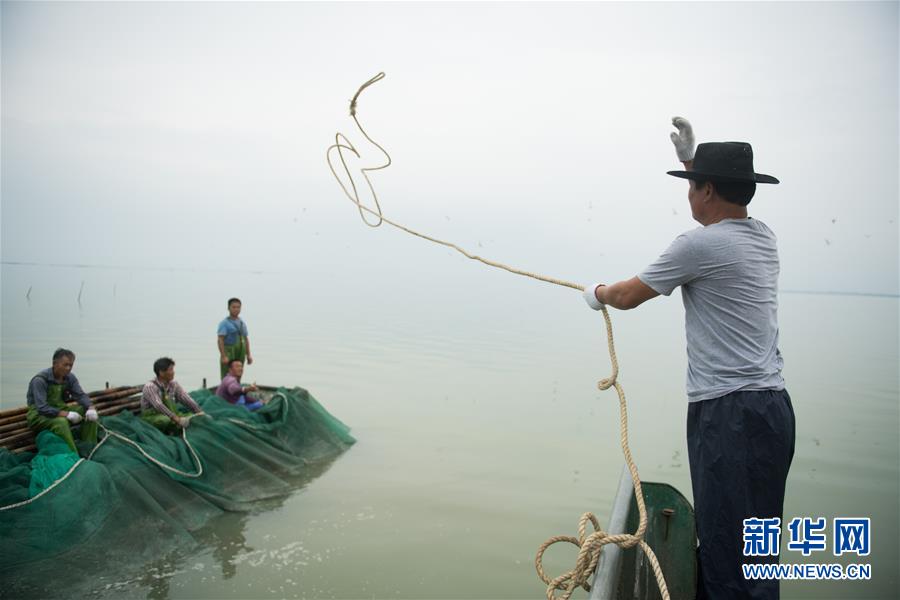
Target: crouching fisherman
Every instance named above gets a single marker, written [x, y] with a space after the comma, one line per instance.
[48, 393]
[159, 398]
[232, 391]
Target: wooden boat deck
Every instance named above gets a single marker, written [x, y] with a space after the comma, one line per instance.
[16, 436]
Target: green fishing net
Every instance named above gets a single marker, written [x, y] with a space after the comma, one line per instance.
[121, 507]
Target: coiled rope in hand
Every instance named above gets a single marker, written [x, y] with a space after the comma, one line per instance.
[590, 545]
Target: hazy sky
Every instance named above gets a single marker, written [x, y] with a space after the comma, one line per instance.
[193, 135]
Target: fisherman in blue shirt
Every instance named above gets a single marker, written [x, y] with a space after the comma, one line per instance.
[48, 393]
[740, 422]
[232, 338]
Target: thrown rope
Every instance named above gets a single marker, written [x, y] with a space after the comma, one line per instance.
[589, 546]
[353, 194]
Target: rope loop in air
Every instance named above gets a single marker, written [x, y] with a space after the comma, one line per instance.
[589, 545]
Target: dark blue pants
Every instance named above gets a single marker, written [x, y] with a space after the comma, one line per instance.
[740, 448]
[250, 404]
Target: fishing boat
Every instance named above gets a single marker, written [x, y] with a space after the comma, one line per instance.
[626, 574]
[138, 494]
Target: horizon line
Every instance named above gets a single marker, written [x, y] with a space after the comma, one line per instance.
[261, 272]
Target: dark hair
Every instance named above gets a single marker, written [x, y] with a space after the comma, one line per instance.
[230, 300]
[63, 352]
[234, 360]
[162, 364]
[735, 192]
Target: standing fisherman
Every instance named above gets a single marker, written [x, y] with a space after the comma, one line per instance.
[48, 393]
[232, 338]
[740, 423]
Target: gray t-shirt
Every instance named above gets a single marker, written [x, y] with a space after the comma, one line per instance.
[728, 273]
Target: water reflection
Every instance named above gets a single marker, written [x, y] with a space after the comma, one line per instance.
[228, 542]
[222, 543]
[157, 579]
[110, 568]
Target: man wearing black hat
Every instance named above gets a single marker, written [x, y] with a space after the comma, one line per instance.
[740, 424]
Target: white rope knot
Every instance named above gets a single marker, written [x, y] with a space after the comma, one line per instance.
[606, 383]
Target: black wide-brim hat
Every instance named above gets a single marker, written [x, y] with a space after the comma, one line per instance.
[724, 161]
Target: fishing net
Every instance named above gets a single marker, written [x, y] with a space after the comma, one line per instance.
[65, 514]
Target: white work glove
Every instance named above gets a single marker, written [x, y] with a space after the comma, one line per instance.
[184, 422]
[590, 296]
[683, 139]
[73, 417]
[91, 414]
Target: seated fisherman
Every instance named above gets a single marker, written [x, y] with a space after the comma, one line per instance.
[231, 389]
[159, 396]
[48, 393]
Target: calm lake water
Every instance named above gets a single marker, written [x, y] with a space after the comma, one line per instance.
[473, 396]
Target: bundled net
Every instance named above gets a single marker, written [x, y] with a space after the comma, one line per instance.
[60, 512]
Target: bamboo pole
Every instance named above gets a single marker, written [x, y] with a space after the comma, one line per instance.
[117, 392]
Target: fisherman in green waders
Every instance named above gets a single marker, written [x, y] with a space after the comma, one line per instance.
[48, 393]
[159, 398]
[232, 338]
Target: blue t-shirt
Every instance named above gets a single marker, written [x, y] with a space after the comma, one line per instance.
[233, 330]
[728, 273]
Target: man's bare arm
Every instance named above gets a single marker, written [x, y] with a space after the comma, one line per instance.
[625, 295]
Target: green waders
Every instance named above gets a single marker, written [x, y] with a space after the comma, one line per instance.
[161, 420]
[233, 352]
[60, 425]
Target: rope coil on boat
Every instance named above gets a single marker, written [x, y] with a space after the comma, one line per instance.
[590, 546]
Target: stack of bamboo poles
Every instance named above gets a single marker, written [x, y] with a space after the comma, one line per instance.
[16, 436]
